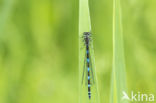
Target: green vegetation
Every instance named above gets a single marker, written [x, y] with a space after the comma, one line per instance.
[85, 26]
[118, 85]
[39, 49]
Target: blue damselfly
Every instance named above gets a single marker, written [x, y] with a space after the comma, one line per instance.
[88, 74]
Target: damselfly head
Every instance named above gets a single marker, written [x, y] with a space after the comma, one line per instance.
[86, 34]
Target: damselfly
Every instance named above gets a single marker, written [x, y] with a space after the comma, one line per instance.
[88, 74]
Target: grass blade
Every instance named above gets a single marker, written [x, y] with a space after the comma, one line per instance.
[118, 74]
[85, 26]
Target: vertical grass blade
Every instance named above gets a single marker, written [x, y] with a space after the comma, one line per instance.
[85, 26]
[118, 85]
[84, 17]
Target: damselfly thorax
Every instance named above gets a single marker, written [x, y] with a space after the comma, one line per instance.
[87, 38]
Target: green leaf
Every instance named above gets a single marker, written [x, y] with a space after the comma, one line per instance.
[85, 26]
[118, 85]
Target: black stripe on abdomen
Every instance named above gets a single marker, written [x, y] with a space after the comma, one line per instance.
[89, 84]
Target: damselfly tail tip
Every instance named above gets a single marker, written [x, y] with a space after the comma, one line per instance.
[89, 97]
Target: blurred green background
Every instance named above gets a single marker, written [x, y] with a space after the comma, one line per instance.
[39, 48]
